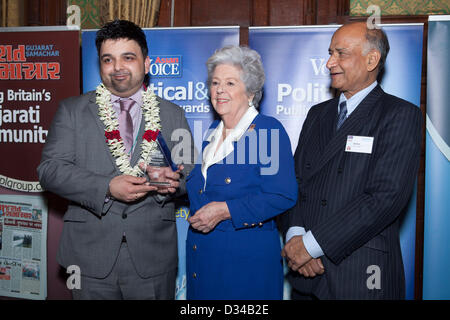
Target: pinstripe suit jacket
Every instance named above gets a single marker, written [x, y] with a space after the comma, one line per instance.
[352, 201]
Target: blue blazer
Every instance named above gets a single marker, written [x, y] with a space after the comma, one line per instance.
[240, 258]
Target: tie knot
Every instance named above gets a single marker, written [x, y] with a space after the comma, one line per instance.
[126, 104]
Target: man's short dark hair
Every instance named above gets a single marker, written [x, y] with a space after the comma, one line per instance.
[121, 29]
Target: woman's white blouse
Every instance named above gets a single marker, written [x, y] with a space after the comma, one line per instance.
[211, 157]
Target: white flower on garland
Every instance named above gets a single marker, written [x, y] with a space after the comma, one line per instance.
[150, 112]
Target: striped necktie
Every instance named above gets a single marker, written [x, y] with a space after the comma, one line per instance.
[126, 123]
[342, 114]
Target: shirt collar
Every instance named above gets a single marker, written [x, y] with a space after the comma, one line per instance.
[238, 131]
[356, 99]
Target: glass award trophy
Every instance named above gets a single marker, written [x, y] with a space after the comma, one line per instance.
[162, 158]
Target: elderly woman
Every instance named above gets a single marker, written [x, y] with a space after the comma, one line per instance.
[245, 180]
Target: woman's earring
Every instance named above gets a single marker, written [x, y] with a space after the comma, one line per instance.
[250, 104]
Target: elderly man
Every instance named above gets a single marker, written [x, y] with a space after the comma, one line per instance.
[356, 164]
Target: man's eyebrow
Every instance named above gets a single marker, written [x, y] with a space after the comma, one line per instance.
[339, 50]
[123, 54]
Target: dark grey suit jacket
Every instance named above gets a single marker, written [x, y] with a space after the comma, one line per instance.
[352, 201]
[77, 165]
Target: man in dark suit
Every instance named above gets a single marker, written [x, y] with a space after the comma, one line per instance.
[356, 165]
[119, 228]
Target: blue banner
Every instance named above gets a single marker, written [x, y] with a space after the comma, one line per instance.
[178, 74]
[436, 278]
[295, 60]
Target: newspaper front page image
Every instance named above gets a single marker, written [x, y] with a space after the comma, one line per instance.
[23, 246]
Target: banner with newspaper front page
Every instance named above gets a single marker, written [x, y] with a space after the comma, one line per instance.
[295, 60]
[178, 74]
[23, 249]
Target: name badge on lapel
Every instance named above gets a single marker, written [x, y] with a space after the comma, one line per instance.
[359, 144]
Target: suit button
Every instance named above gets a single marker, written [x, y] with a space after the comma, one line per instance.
[308, 165]
[260, 224]
[124, 215]
[324, 202]
[245, 224]
[228, 180]
[194, 247]
[194, 275]
[253, 224]
[340, 170]
[200, 191]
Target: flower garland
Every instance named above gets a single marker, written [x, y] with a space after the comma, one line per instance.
[150, 112]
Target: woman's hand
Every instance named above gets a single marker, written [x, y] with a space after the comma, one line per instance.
[208, 216]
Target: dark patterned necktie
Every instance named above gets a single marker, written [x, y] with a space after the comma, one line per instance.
[342, 114]
[126, 122]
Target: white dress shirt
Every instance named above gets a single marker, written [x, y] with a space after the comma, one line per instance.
[135, 112]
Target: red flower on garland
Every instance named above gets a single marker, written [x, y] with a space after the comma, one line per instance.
[150, 135]
[111, 135]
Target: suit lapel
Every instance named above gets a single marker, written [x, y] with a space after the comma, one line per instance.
[319, 135]
[93, 107]
[327, 124]
[137, 150]
[355, 122]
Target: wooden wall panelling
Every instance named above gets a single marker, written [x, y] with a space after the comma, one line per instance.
[45, 12]
[182, 13]
[247, 13]
[260, 13]
[253, 12]
[165, 11]
[326, 12]
[220, 13]
[285, 12]
[290, 12]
